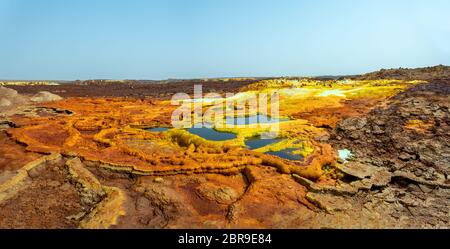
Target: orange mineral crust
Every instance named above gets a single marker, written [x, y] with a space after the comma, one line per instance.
[110, 131]
[12, 155]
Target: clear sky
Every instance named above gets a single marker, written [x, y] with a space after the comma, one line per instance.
[157, 39]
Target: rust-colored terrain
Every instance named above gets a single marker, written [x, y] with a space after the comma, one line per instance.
[88, 160]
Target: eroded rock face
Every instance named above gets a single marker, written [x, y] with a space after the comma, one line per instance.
[403, 149]
[40, 195]
[410, 134]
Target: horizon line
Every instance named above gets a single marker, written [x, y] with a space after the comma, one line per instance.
[218, 78]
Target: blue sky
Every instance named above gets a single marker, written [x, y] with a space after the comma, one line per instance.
[81, 39]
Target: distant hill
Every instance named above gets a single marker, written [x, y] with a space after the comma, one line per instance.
[424, 73]
[103, 82]
[27, 83]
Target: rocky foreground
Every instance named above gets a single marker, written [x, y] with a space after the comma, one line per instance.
[81, 168]
[402, 155]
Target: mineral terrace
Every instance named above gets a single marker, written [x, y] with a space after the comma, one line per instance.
[370, 151]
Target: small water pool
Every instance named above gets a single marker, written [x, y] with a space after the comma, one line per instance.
[344, 154]
[286, 154]
[258, 142]
[157, 129]
[255, 119]
[211, 134]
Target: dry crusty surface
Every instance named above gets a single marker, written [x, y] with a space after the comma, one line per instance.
[399, 176]
[48, 202]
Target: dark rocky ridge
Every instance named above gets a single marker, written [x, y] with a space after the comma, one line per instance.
[415, 160]
[134, 89]
[382, 136]
[425, 73]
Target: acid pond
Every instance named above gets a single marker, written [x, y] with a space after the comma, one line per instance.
[251, 143]
[211, 134]
[286, 154]
[157, 129]
[258, 142]
[204, 132]
[344, 154]
[255, 119]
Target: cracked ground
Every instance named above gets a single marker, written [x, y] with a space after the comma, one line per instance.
[88, 162]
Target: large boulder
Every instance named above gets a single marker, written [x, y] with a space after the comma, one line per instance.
[9, 98]
[4, 102]
[45, 96]
[7, 93]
